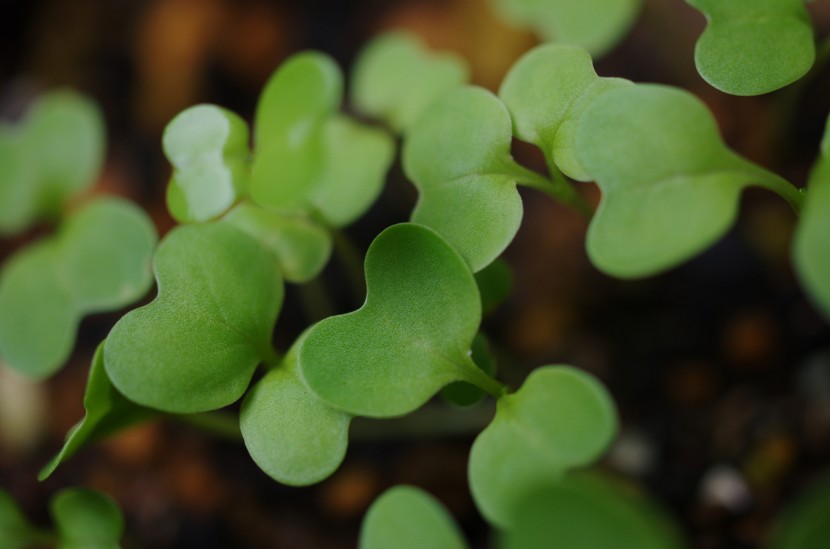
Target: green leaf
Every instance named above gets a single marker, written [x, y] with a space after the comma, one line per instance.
[670, 186]
[15, 530]
[65, 136]
[804, 524]
[812, 236]
[86, 519]
[54, 154]
[99, 261]
[290, 433]
[357, 158]
[300, 247]
[462, 393]
[495, 282]
[596, 25]
[589, 511]
[546, 92]
[752, 47]
[395, 78]
[406, 517]
[289, 128]
[208, 148]
[458, 156]
[559, 419]
[195, 347]
[107, 412]
[410, 338]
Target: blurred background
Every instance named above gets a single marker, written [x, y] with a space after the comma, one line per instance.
[720, 368]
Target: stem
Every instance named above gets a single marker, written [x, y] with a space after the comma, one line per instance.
[557, 187]
[432, 421]
[222, 425]
[270, 357]
[315, 300]
[786, 190]
[352, 260]
[481, 379]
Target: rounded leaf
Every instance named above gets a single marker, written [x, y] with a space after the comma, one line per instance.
[410, 338]
[561, 418]
[396, 77]
[195, 347]
[86, 519]
[752, 47]
[208, 148]
[406, 517]
[290, 433]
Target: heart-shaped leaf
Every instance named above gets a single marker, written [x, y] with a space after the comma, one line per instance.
[195, 347]
[596, 25]
[410, 338]
[458, 156]
[546, 92]
[99, 261]
[752, 47]
[107, 412]
[290, 433]
[406, 517]
[812, 237]
[804, 524]
[589, 511]
[396, 78]
[356, 162]
[288, 128]
[300, 246]
[15, 531]
[54, 154]
[208, 147]
[670, 185]
[561, 418]
[86, 519]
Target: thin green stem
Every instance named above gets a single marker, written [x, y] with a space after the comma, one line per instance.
[435, 420]
[481, 379]
[219, 424]
[786, 190]
[352, 260]
[557, 187]
[315, 300]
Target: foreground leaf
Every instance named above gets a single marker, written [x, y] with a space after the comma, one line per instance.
[670, 186]
[195, 347]
[559, 419]
[99, 261]
[596, 25]
[396, 78]
[107, 412]
[752, 47]
[458, 156]
[290, 433]
[208, 148]
[86, 519]
[410, 338]
[812, 236]
[589, 511]
[406, 517]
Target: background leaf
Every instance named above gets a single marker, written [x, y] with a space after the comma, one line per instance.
[300, 247]
[106, 412]
[15, 530]
[559, 419]
[752, 47]
[458, 156]
[589, 511]
[410, 338]
[290, 433]
[395, 78]
[812, 236]
[208, 148]
[596, 25]
[195, 347]
[86, 519]
[18, 184]
[670, 186]
[804, 524]
[99, 261]
[406, 517]
[288, 128]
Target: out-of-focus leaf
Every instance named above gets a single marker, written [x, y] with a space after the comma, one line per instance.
[86, 519]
